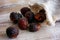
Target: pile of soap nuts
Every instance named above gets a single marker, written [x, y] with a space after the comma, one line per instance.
[26, 20]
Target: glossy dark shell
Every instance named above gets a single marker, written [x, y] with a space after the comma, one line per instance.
[30, 16]
[34, 27]
[24, 10]
[12, 32]
[23, 24]
[15, 16]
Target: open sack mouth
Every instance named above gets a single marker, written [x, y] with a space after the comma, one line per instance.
[39, 12]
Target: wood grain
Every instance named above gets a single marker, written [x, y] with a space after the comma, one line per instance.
[45, 33]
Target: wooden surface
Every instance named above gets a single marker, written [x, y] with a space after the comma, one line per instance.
[45, 32]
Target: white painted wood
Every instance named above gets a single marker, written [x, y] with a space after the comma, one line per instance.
[45, 32]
